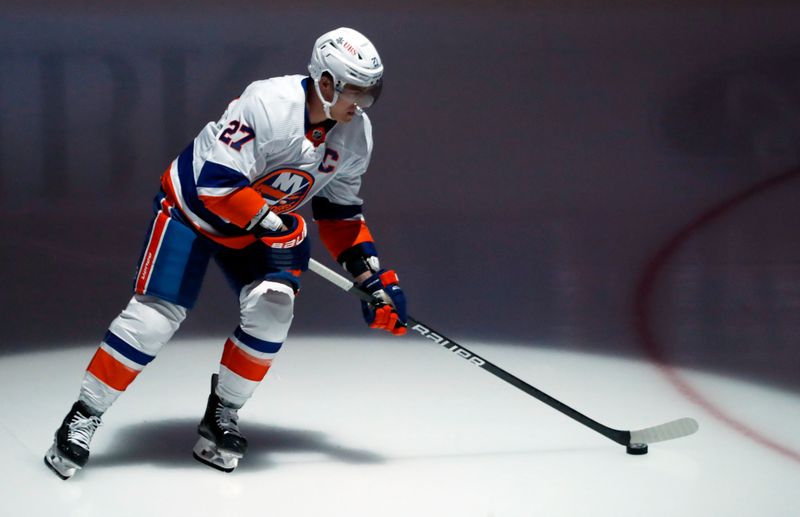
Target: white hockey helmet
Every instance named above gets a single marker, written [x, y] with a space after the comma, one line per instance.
[350, 58]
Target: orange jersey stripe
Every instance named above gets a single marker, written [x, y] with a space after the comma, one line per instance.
[236, 242]
[110, 371]
[338, 235]
[243, 364]
[166, 184]
[238, 207]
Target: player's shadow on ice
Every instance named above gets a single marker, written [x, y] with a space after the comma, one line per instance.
[169, 443]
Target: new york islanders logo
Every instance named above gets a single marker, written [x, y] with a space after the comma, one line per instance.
[285, 189]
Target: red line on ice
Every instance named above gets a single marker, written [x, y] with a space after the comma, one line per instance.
[644, 293]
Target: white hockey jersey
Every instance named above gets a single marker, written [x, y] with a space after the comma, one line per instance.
[263, 150]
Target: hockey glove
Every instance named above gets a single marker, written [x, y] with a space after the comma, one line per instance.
[388, 311]
[288, 248]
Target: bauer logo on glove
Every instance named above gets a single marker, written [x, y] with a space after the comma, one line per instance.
[388, 311]
[288, 246]
[292, 236]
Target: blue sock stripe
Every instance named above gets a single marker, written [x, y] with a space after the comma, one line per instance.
[267, 347]
[127, 350]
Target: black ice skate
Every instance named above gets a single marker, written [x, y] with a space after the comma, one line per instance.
[220, 445]
[70, 449]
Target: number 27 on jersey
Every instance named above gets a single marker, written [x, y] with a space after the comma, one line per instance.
[237, 134]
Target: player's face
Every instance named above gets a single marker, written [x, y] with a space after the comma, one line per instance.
[346, 105]
[344, 109]
[363, 97]
[350, 98]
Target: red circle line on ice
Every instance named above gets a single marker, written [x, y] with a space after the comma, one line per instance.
[644, 293]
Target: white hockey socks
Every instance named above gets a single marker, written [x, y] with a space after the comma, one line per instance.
[267, 309]
[132, 341]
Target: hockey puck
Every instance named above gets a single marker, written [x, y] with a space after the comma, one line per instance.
[636, 449]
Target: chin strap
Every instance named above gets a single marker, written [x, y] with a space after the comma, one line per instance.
[326, 106]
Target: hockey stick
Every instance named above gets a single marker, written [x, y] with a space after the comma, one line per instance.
[635, 441]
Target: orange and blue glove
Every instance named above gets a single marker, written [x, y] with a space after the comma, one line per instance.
[388, 311]
[288, 247]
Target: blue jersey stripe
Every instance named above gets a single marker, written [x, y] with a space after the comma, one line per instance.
[267, 347]
[322, 208]
[219, 176]
[189, 191]
[126, 350]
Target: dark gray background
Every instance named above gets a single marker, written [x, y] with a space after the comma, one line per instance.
[530, 161]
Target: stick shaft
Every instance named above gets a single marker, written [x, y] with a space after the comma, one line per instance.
[621, 437]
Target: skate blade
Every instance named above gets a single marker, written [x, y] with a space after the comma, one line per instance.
[63, 468]
[206, 452]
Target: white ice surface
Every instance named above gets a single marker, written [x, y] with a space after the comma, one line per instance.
[399, 428]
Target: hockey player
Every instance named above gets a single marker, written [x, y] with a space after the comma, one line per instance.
[232, 195]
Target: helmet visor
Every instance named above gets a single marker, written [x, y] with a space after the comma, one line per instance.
[360, 96]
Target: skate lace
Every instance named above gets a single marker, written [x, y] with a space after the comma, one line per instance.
[227, 419]
[81, 429]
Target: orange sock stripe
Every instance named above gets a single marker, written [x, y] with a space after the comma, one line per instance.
[243, 364]
[110, 371]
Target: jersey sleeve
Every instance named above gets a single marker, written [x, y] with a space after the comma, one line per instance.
[338, 209]
[242, 138]
[342, 228]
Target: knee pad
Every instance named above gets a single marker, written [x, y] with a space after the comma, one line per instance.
[147, 323]
[267, 310]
